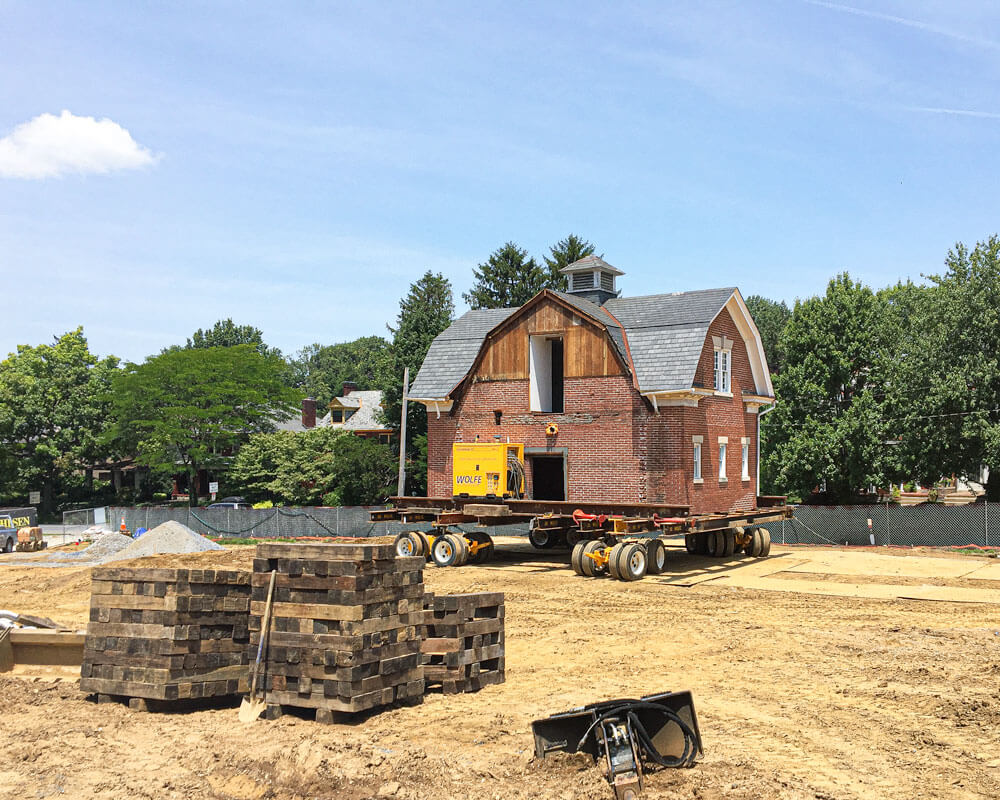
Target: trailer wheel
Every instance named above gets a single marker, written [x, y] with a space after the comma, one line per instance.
[587, 565]
[573, 538]
[485, 553]
[541, 539]
[446, 551]
[754, 547]
[715, 543]
[632, 562]
[728, 542]
[574, 559]
[765, 538]
[616, 552]
[409, 544]
[656, 557]
[691, 543]
[425, 542]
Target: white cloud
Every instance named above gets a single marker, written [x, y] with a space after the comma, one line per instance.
[49, 146]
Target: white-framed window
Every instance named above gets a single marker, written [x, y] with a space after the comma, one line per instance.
[723, 368]
[745, 458]
[696, 442]
[723, 446]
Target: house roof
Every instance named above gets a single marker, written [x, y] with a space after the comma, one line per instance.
[366, 418]
[660, 336]
[453, 353]
[666, 333]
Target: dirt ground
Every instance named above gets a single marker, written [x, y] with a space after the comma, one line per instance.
[799, 693]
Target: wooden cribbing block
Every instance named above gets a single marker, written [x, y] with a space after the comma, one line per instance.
[346, 628]
[463, 648]
[167, 634]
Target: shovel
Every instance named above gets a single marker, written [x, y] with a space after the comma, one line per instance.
[251, 708]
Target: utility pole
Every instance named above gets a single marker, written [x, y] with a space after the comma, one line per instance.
[401, 488]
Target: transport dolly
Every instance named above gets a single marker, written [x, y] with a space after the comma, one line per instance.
[627, 738]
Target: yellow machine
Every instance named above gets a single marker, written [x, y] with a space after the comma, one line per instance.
[491, 469]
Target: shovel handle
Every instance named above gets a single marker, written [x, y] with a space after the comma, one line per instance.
[264, 628]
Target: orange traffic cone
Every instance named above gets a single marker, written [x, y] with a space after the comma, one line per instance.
[123, 529]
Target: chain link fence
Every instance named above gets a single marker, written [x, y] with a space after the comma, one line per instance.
[929, 524]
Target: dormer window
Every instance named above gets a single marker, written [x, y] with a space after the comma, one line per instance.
[722, 364]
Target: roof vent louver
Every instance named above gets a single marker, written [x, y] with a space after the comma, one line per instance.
[581, 280]
[592, 278]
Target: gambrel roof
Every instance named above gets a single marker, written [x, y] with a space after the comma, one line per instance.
[659, 337]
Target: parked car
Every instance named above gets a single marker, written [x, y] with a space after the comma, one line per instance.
[230, 502]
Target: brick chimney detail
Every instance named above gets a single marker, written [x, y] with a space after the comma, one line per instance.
[308, 413]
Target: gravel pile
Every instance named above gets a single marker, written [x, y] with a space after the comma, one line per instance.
[170, 537]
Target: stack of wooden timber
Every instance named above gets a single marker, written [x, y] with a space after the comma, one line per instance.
[167, 634]
[346, 626]
[464, 641]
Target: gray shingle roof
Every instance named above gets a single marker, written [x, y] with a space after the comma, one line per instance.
[454, 351]
[666, 333]
[366, 417]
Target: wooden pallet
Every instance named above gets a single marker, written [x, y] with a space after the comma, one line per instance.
[167, 634]
[463, 647]
[346, 628]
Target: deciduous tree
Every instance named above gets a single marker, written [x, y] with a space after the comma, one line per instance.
[771, 317]
[54, 404]
[189, 409]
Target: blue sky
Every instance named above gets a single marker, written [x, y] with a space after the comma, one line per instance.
[295, 166]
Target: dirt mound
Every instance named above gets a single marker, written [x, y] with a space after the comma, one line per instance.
[170, 537]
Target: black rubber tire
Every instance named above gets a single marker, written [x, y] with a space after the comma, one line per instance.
[445, 551]
[691, 543]
[575, 558]
[632, 562]
[616, 551]
[728, 543]
[716, 544]
[408, 544]
[8, 546]
[704, 544]
[756, 545]
[485, 553]
[542, 539]
[573, 538]
[765, 537]
[590, 569]
[656, 557]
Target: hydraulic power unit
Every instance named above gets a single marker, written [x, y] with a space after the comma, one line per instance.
[489, 469]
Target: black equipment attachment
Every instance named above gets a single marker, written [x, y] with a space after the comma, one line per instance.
[629, 737]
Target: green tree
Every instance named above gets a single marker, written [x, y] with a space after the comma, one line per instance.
[562, 254]
[54, 402]
[425, 311]
[363, 472]
[192, 408]
[826, 430]
[321, 370]
[226, 333]
[508, 278]
[771, 317]
[946, 386]
[286, 467]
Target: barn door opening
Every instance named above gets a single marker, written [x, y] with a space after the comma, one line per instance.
[548, 478]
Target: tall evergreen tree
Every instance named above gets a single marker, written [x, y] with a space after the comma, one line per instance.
[427, 309]
[508, 278]
[562, 254]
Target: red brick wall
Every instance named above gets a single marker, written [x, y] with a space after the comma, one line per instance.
[618, 448]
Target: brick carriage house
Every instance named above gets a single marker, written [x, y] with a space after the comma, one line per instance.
[623, 399]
